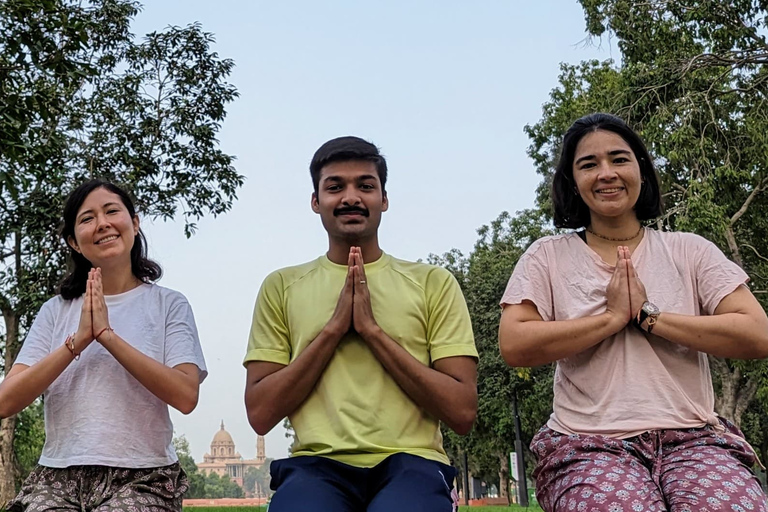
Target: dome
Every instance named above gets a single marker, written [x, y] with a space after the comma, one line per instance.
[222, 437]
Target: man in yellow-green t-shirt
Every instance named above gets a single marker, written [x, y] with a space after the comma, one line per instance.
[365, 353]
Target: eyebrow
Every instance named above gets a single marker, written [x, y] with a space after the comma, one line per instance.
[611, 153]
[339, 179]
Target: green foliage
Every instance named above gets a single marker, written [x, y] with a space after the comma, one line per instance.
[256, 479]
[692, 81]
[80, 97]
[30, 438]
[483, 276]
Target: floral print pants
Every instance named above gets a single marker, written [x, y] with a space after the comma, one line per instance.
[695, 470]
[101, 489]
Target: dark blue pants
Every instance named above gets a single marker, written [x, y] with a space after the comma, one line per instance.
[401, 482]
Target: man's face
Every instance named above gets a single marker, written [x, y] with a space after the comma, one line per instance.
[350, 200]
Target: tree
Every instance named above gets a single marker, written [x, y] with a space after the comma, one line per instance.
[483, 276]
[82, 98]
[256, 479]
[693, 82]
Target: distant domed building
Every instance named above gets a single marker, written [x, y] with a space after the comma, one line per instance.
[223, 458]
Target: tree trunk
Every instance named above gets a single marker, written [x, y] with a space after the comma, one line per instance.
[735, 394]
[8, 425]
[504, 476]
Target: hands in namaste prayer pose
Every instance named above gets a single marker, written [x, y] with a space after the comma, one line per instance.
[626, 293]
[353, 310]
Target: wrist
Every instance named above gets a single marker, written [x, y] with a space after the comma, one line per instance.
[104, 334]
[369, 332]
[615, 321]
[334, 330]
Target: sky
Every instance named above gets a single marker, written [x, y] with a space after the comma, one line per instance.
[443, 88]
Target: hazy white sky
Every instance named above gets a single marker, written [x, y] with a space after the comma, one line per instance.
[443, 88]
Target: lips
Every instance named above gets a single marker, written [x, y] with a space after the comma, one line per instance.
[107, 239]
[611, 190]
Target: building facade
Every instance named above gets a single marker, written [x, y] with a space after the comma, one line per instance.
[223, 459]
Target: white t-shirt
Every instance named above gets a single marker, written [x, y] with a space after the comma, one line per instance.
[96, 413]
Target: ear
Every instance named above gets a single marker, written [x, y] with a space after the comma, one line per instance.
[315, 204]
[73, 244]
[135, 225]
[384, 202]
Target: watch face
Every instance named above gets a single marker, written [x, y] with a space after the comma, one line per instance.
[650, 308]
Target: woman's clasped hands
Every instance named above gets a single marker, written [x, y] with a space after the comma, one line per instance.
[626, 293]
[94, 315]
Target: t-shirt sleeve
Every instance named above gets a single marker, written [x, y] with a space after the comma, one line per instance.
[531, 281]
[716, 275]
[449, 328]
[269, 337]
[182, 343]
[40, 338]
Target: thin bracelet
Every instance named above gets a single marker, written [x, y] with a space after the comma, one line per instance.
[102, 332]
[70, 344]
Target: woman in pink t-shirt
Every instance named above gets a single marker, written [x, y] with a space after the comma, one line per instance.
[630, 313]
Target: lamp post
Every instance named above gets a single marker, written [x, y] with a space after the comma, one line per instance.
[522, 484]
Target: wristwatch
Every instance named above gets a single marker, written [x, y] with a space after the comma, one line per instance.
[649, 312]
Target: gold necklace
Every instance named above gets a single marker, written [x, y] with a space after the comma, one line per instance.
[617, 239]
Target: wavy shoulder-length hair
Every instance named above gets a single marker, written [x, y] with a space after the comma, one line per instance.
[570, 209]
[74, 282]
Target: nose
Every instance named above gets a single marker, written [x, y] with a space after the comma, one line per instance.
[351, 197]
[606, 172]
[102, 222]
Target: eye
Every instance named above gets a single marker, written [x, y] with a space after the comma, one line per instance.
[367, 186]
[333, 188]
[83, 220]
[587, 165]
[620, 160]
[113, 210]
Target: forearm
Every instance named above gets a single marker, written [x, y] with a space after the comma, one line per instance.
[170, 385]
[731, 335]
[20, 390]
[271, 398]
[442, 396]
[537, 342]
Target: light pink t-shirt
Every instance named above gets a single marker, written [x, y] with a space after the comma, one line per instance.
[631, 382]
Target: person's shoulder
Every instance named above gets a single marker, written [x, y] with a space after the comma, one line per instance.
[286, 276]
[420, 272]
[682, 239]
[551, 244]
[162, 294]
[55, 304]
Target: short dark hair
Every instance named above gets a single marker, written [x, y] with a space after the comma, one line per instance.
[347, 148]
[74, 282]
[570, 209]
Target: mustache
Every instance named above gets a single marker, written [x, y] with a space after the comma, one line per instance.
[350, 209]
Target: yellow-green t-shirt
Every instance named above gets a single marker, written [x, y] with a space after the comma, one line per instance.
[357, 414]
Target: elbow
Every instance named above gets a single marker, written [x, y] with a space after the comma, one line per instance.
[761, 351]
[258, 423]
[260, 420]
[513, 355]
[463, 422]
[188, 403]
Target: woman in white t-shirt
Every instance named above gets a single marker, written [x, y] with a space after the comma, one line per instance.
[109, 355]
[630, 313]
